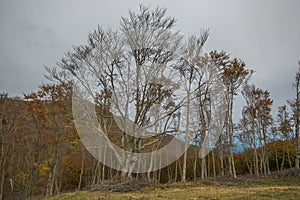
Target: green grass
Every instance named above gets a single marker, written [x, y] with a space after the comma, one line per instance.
[263, 188]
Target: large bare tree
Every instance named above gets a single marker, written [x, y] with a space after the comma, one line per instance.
[133, 77]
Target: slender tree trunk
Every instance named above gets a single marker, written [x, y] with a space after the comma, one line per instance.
[187, 132]
[288, 155]
[255, 149]
[264, 164]
[176, 171]
[249, 165]
[283, 159]
[229, 162]
[169, 173]
[203, 169]
[232, 161]
[49, 188]
[195, 166]
[183, 178]
[221, 161]
[159, 172]
[276, 158]
[208, 166]
[53, 179]
[214, 163]
[256, 161]
[81, 169]
[230, 124]
[265, 152]
[180, 169]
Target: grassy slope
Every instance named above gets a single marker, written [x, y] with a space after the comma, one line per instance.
[267, 188]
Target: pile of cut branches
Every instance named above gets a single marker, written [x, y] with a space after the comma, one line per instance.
[288, 173]
[120, 186]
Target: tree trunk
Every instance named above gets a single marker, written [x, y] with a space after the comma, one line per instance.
[213, 162]
[203, 169]
[283, 159]
[183, 178]
[208, 166]
[256, 161]
[230, 127]
[249, 165]
[81, 169]
[221, 160]
[51, 178]
[176, 171]
[276, 158]
[288, 155]
[195, 166]
[187, 131]
[255, 149]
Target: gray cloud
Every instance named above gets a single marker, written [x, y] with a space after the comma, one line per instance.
[265, 34]
[43, 37]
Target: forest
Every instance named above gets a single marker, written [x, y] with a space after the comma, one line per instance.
[178, 91]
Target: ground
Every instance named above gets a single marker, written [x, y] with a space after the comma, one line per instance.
[249, 188]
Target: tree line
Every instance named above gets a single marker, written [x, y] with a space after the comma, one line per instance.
[161, 80]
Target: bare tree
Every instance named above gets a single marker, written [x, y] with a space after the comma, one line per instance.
[132, 73]
[234, 75]
[192, 70]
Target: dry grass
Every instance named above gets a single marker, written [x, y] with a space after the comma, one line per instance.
[264, 188]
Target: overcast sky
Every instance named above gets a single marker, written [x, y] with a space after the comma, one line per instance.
[265, 34]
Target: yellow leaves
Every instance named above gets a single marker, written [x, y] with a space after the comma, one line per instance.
[76, 143]
[43, 169]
